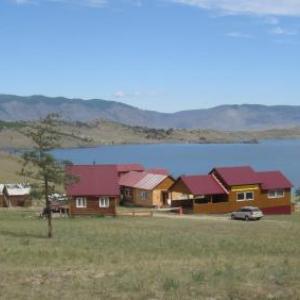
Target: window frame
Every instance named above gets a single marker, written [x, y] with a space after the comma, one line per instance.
[143, 195]
[106, 203]
[245, 196]
[278, 194]
[81, 202]
[127, 192]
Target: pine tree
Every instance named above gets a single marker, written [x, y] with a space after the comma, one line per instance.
[40, 165]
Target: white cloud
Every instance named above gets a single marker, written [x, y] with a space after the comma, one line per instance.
[282, 31]
[120, 94]
[95, 3]
[22, 1]
[136, 94]
[239, 35]
[123, 94]
[270, 8]
[255, 7]
[91, 3]
[272, 21]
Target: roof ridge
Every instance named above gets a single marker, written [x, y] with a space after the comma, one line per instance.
[214, 177]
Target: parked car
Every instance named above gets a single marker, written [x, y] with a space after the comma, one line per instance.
[247, 213]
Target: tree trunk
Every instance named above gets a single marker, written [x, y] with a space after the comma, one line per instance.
[48, 209]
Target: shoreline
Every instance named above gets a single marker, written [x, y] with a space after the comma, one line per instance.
[16, 150]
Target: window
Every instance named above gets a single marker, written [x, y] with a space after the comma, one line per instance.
[144, 195]
[245, 210]
[276, 194]
[201, 200]
[127, 192]
[104, 202]
[246, 196]
[219, 198]
[183, 196]
[81, 202]
[249, 196]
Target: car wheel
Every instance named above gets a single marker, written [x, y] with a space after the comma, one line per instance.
[246, 218]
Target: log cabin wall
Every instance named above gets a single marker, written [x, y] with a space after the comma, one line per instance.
[92, 207]
[268, 206]
[148, 198]
[17, 201]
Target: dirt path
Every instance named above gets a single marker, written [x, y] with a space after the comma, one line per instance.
[214, 218]
[193, 217]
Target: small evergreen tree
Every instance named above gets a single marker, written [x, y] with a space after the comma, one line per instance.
[40, 165]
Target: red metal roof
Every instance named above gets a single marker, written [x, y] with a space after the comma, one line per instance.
[237, 175]
[131, 179]
[94, 180]
[273, 180]
[203, 185]
[121, 168]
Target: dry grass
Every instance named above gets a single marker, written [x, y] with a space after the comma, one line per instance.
[9, 168]
[148, 258]
[106, 132]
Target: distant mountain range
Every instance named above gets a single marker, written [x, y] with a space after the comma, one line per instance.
[225, 117]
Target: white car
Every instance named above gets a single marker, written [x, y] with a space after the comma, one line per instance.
[247, 213]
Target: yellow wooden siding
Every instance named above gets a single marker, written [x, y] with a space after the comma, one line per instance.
[154, 197]
[261, 200]
[138, 200]
[245, 188]
[179, 191]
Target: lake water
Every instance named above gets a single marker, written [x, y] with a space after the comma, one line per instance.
[194, 158]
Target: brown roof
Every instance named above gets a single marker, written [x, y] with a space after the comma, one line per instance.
[202, 185]
[93, 180]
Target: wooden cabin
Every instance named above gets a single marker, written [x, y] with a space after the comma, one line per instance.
[15, 195]
[190, 190]
[95, 190]
[146, 189]
[227, 189]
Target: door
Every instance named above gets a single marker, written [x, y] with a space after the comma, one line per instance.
[165, 197]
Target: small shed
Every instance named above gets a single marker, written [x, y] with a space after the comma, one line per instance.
[16, 194]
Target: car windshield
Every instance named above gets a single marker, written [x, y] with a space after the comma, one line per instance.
[249, 210]
[255, 209]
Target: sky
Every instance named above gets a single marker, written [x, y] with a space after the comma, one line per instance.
[165, 55]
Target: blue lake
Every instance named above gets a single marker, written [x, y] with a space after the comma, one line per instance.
[194, 158]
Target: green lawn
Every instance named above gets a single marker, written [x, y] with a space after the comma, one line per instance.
[148, 258]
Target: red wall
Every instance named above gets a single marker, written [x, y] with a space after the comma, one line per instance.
[278, 210]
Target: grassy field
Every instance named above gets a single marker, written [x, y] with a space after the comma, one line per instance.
[102, 132]
[10, 166]
[148, 258]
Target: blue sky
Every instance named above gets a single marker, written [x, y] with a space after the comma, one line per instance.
[165, 55]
